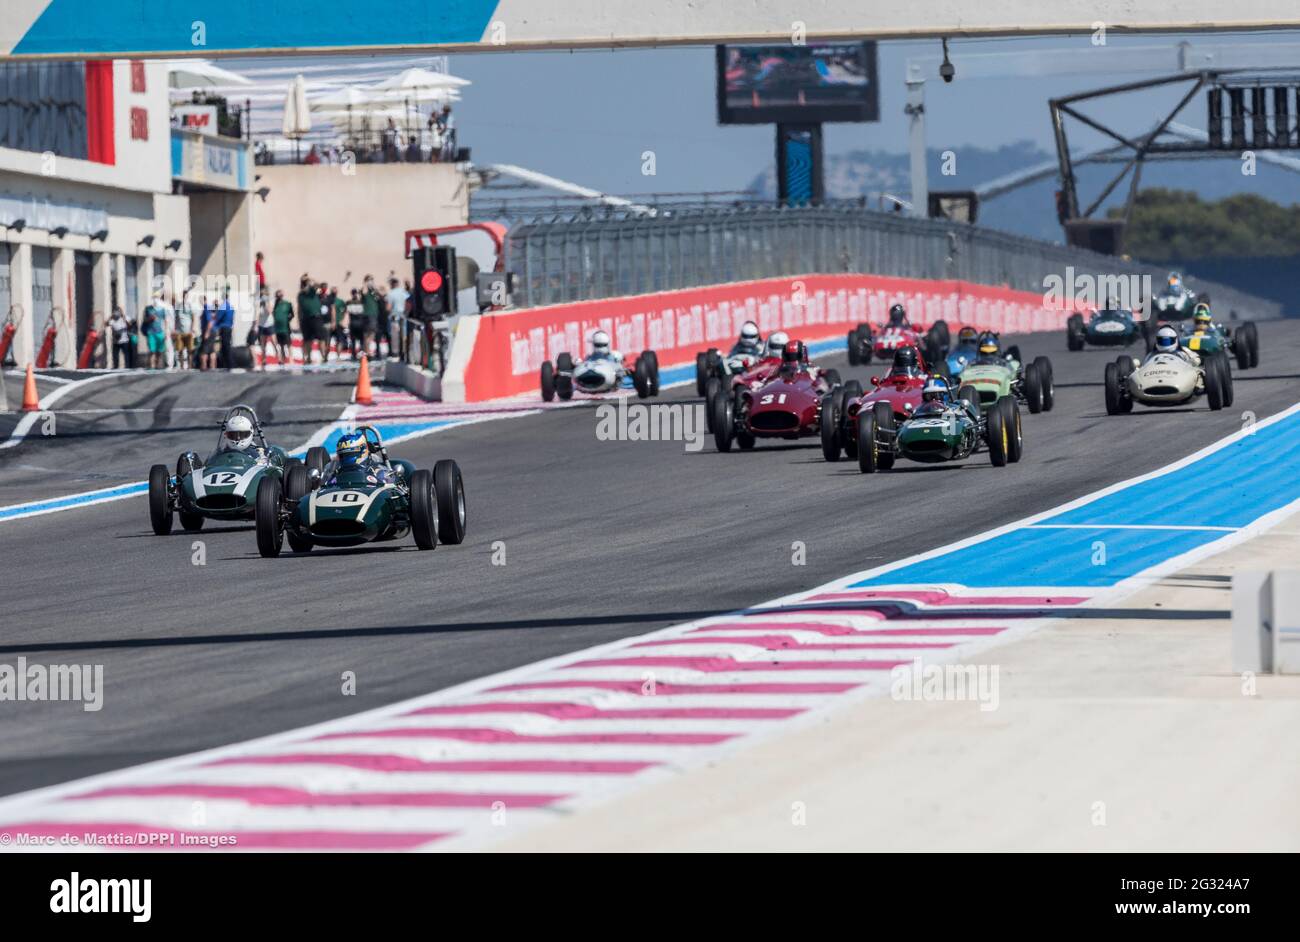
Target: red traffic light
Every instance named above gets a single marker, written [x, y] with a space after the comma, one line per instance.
[430, 281]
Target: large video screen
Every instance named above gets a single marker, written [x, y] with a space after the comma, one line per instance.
[815, 83]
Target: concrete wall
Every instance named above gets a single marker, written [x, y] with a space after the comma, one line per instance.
[326, 221]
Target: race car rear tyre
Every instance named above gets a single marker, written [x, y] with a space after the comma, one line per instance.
[297, 483]
[317, 458]
[864, 344]
[999, 436]
[160, 509]
[652, 359]
[1241, 348]
[190, 522]
[424, 510]
[1049, 382]
[450, 489]
[548, 381]
[701, 372]
[1254, 345]
[829, 427]
[187, 463]
[712, 390]
[270, 528]
[1013, 353]
[854, 358]
[868, 447]
[1034, 388]
[970, 394]
[1015, 433]
[641, 377]
[722, 422]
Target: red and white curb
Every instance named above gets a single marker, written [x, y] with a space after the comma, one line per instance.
[476, 763]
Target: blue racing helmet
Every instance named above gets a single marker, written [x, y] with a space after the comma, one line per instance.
[936, 388]
[351, 449]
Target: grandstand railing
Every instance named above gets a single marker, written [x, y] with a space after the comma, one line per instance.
[595, 253]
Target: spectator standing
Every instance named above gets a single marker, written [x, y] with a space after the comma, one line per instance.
[265, 326]
[376, 313]
[327, 296]
[225, 326]
[396, 301]
[117, 326]
[339, 311]
[183, 335]
[260, 269]
[133, 348]
[357, 326]
[207, 333]
[309, 320]
[282, 316]
[447, 125]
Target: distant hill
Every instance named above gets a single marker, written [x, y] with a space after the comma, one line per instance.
[1030, 210]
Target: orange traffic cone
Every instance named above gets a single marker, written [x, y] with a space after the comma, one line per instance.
[31, 401]
[363, 395]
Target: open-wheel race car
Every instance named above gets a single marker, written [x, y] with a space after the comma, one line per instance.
[1175, 301]
[996, 374]
[1204, 337]
[224, 485]
[603, 370]
[900, 389]
[1112, 326]
[942, 429]
[1171, 375]
[784, 405]
[362, 496]
[866, 342]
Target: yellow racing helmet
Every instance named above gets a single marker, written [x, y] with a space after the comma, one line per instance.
[1201, 317]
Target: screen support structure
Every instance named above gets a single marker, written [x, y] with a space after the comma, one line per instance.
[800, 180]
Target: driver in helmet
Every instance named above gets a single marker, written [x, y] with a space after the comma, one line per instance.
[1202, 319]
[935, 397]
[898, 316]
[749, 343]
[906, 363]
[237, 435]
[353, 454]
[601, 348]
[967, 337]
[1166, 341]
[793, 358]
[990, 349]
[776, 342]
[1175, 281]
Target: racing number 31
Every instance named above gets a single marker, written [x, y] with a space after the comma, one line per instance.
[767, 399]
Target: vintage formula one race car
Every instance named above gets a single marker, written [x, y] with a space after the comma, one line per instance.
[942, 429]
[1241, 344]
[224, 486]
[864, 342]
[900, 388]
[600, 373]
[786, 405]
[997, 375]
[1168, 379]
[377, 499]
[1110, 327]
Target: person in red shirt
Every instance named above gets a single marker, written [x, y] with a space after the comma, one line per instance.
[260, 269]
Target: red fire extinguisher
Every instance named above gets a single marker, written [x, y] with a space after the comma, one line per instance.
[47, 345]
[88, 349]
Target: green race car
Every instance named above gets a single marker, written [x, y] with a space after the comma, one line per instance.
[997, 375]
[378, 499]
[942, 429]
[225, 485]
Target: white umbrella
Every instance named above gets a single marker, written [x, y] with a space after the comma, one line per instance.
[419, 80]
[297, 117]
[200, 73]
[349, 96]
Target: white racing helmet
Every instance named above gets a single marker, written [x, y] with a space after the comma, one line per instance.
[749, 332]
[776, 342]
[600, 343]
[238, 433]
[1166, 340]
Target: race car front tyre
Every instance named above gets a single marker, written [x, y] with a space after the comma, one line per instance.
[564, 363]
[652, 361]
[1015, 434]
[722, 421]
[548, 381]
[160, 508]
[424, 510]
[1225, 375]
[564, 387]
[1254, 345]
[829, 426]
[883, 413]
[701, 372]
[864, 344]
[450, 489]
[641, 377]
[712, 390]
[851, 393]
[1114, 390]
[1034, 388]
[270, 528]
[190, 522]
[868, 447]
[1049, 382]
[298, 544]
[999, 436]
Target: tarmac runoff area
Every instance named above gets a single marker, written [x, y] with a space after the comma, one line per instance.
[1125, 733]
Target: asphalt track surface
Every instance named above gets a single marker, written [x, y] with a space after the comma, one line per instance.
[602, 540]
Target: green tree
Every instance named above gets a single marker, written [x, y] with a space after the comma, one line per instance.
[1175, 225]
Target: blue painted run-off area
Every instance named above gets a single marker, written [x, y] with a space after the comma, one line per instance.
[1231, 487]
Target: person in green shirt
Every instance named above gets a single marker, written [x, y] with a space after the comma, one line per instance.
[282, 313]
[310, 321]
[340, 324]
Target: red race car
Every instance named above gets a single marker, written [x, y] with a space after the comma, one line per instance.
[899, 391]
[759, 372]
[785, 405]
[864, 342]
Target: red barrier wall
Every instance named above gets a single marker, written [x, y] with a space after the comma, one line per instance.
[510, 347]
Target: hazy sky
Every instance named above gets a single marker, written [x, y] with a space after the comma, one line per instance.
[590, 116]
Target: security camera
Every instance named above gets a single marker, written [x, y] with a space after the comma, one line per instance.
[946, 71]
